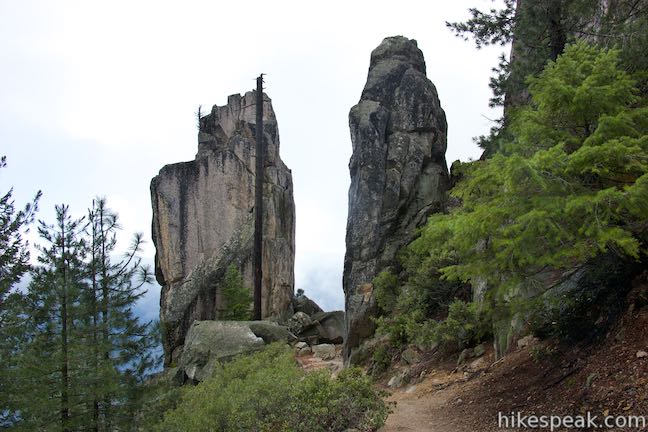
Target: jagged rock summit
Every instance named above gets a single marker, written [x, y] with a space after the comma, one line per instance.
[203, 220]
[398, 172]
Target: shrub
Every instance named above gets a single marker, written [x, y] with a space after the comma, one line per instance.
[539, 353]
[381, 358]
[387, 290]
[465, 325]
[418, 306]
[267, 391]
[157, 399]
[568, 186]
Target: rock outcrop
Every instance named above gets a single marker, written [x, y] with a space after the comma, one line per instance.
[398, 172]
[580, 304]
[327, 327]
[311, 324]
[210, 343]
[203, 220]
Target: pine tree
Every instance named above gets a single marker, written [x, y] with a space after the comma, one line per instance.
[538, 32]
[236, 296]
[82, 354]
[14, 250]
[121, 344]
[571, 184]
[14, 263]
[48, 362]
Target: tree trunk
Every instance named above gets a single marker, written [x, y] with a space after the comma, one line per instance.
[557, 33]
[105, 299]
[65, 378]
[258, 202]
[95, 324]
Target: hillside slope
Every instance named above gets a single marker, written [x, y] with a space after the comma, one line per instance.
[607, 378]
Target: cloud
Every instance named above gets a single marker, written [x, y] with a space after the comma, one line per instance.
[319, 274]
[97, 97]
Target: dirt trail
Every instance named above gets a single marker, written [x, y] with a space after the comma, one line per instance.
[418, 411]
[426, 406]
[609, 377]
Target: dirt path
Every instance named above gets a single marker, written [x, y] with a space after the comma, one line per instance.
[607, 377]
[424, 406]
[610, 377]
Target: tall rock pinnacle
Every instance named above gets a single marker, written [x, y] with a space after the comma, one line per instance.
[398, 172]
[203, 220]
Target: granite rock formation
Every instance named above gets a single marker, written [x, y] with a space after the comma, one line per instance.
[398, 172]
[209, 343]
[203, 220]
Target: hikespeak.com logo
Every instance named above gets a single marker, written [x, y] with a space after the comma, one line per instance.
[518, 420]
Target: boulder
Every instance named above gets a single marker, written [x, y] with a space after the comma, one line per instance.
[305, 351]
[271, 332]
[211, 342]
[464, 356]
[527, 341]
[398, 172]
[478, 364]
[299, 322]
[396, 381]
[300, 345]
[479, 350]
[203, 220]
[411, 356]
[324, 351]
[327, 327]
[301, 303]
[331, 326]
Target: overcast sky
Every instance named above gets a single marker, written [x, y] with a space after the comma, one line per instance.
[97, 96]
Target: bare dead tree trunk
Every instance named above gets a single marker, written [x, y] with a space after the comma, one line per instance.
[258, 201]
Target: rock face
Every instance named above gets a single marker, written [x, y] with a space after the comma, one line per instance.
[580, 304]
[203, 220]
[398, 171]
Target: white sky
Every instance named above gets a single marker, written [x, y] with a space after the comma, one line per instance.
[96, 96]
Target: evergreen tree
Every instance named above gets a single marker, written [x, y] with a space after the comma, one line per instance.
[14, 263]
[82, 354]
[120, 343]
[14, 250]
[48, 376]
[572, 183]
[236, 296]
[538, 31]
